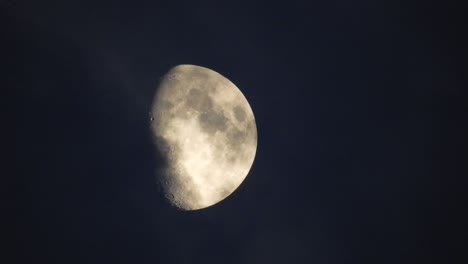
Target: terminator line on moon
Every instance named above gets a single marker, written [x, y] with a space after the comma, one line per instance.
[205, 130]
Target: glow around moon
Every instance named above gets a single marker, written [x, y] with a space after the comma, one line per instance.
[205, 132]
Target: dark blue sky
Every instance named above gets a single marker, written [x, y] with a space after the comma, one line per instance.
[361, 130]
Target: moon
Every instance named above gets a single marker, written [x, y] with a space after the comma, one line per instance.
[204, 129]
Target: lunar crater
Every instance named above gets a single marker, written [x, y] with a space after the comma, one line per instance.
[239, 113]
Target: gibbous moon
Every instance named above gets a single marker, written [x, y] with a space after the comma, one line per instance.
[204, 130]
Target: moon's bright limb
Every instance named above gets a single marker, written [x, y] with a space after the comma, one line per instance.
[205, 130]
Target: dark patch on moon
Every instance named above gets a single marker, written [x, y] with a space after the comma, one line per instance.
[198, 100]
[223, 193]
[239, 113]
[213, 121]
[202, 74]
[166, 105]
[235, 137]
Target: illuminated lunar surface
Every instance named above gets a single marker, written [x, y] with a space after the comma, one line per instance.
[204, 129]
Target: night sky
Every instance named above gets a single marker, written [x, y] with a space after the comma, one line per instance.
[360, 111]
